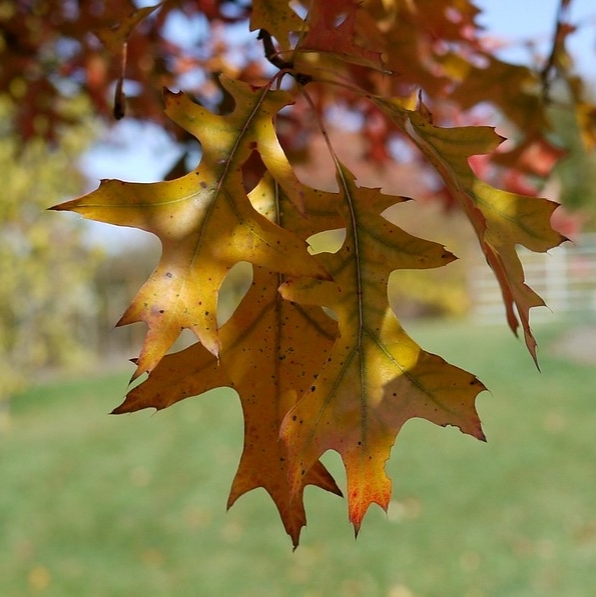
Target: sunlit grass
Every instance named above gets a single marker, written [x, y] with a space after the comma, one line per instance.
[128, 505]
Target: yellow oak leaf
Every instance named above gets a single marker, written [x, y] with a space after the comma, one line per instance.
[375, 377]
[278, 19]
[204, 220]
[500, 219]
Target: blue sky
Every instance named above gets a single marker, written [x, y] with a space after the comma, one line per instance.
[515, 20]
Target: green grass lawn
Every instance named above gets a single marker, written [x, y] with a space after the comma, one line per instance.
[134, 505]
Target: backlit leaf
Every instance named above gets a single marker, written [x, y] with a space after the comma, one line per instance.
[266, 356]
[314, 351]
[204, 220]
[500, 219]
[375, 377]
[278, 19]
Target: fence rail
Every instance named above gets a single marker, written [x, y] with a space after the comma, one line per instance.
[565, 278]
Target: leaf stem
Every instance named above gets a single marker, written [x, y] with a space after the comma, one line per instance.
[285, 66]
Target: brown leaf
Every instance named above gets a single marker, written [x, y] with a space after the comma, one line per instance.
[267, 356]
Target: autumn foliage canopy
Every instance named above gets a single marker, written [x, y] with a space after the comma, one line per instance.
[314, 350]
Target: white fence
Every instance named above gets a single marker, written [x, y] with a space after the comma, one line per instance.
[565, 278]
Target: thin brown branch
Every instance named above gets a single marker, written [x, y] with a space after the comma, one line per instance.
[558, 41]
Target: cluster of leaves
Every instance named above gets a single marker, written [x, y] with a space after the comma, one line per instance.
[52, 50]
[314, 350]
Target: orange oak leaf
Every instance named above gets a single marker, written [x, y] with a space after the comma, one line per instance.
[177, 376]
[375, 378]
[269, 364]
[332, 30]
[267, 356]
[204, 220]
[267, 349]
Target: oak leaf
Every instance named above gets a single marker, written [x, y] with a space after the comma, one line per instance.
[116, 35]
[278, 18]
[204, 220]
[267, 356]
[314, 351]
[332, 31]
[500, 219]
[375, 378]
[511, 87]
